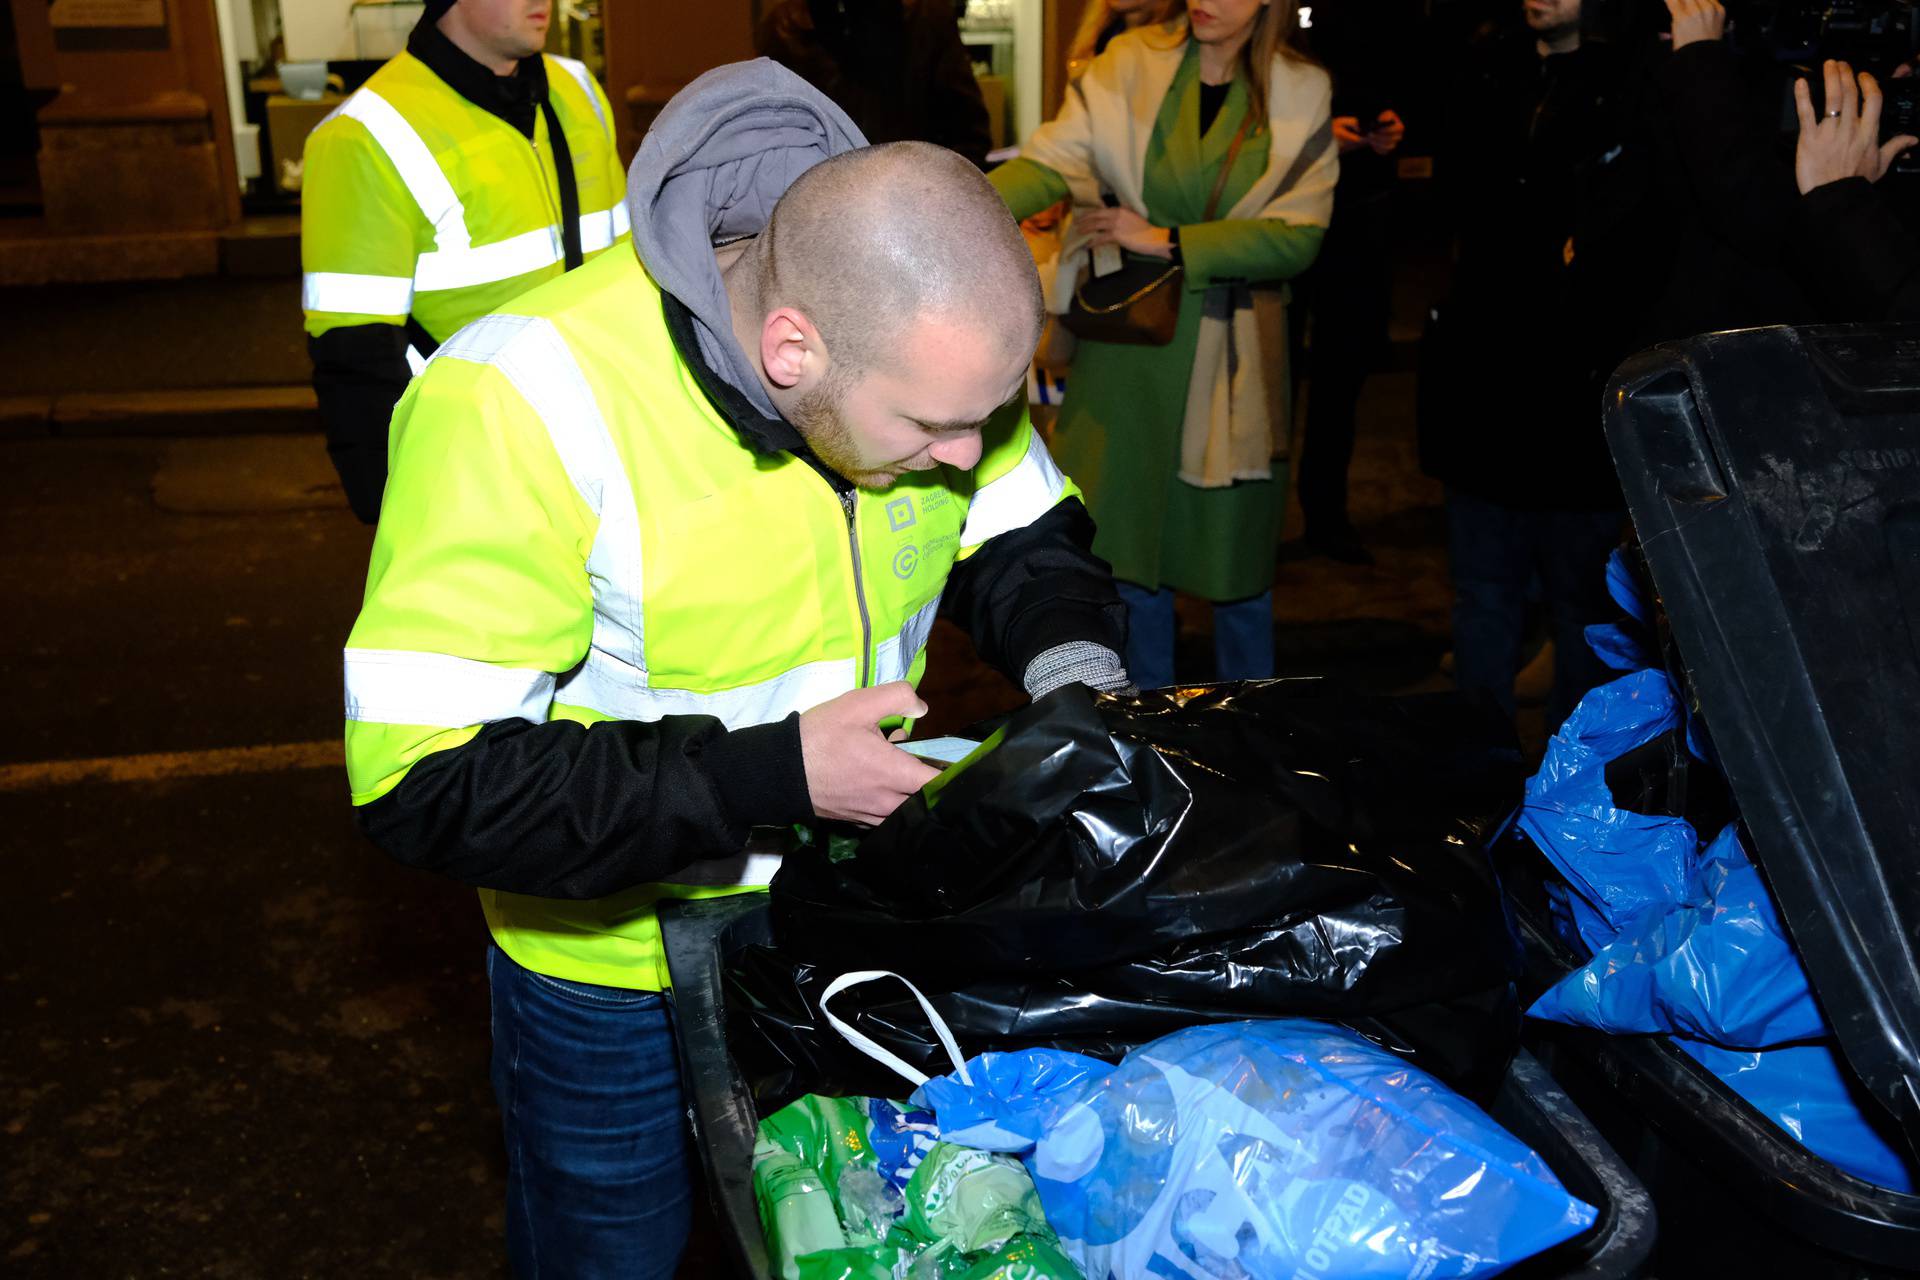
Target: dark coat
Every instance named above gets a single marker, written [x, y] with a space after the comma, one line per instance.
[1533, 153]
[1858, 254]
[1724, 184]
[897, 67]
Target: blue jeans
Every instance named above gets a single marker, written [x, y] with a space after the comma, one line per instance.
[598, 1175]
[1496, 553]
[1242, 636]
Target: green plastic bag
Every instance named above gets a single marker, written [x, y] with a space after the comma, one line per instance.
[829, 1214]
[972, 1200]
[1023, 1258]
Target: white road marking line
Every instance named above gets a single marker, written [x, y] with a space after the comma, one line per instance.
[165, 766]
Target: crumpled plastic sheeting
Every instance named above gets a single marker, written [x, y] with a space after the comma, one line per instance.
[1618, 864]
[1261, 1150]
[1716, 966]
[1252, 849]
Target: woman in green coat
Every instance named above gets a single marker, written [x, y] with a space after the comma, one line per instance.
[1181, 448]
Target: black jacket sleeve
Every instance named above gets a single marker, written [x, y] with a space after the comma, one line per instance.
[1856, 254]
[1743, 185]
[565, 810]
[1036, 587]
[359, 374]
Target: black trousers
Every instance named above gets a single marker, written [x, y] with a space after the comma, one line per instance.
[1348, 292]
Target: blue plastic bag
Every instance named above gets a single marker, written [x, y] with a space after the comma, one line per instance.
[1803, 1089]
[1617, 864]
[1715, 966]
[1685, 943]
[1617, 645]
[1264, 1151]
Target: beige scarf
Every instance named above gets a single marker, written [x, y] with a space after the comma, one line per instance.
[1236, 404]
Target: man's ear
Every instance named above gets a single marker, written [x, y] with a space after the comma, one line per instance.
[790, 349]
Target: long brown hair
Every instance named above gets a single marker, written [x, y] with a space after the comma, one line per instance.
[1272, 36]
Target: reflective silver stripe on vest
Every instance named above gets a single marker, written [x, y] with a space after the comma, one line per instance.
[800, 689]
[344, 291]
[516, 255]
[1017, 498]
[741, 869]
[599, 230]
[415, 163]
[805, 686]
[399, 686]
[894, 660]
[584, 78]
[456, 262]
[530, 353]
[485, 263]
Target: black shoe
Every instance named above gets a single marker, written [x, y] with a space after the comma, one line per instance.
[1342, 545]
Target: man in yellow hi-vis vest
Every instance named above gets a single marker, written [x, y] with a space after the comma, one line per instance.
[467, 170]
[662, 547]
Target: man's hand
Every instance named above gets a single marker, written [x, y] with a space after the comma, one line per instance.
[1696, 20]
[1386, 133]
[853, 773]
[1124, 227]
[1348, 134]
[1846, 143]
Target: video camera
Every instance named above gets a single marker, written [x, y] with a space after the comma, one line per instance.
[1797, 36]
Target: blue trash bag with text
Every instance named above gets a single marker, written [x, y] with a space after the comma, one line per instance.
[1265, 1150]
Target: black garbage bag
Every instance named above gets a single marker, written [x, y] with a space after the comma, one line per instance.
[784, 1048]
[1264, 849]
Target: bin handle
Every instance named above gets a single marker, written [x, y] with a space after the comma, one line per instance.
[886, 1057]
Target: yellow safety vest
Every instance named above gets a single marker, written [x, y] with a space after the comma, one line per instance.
[417, 202]
[573, 531]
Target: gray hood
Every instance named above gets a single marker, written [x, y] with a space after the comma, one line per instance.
[722, 152]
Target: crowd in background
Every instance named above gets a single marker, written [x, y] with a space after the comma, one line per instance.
[1612, 174]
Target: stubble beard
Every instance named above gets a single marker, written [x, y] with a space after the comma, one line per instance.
[819, 419]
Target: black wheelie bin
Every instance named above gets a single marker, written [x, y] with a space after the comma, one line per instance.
[701, 935]
[1773, 476]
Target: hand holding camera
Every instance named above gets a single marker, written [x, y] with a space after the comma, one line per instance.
[1845, 142]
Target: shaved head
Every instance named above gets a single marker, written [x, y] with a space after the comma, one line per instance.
[873, 240]
[891, 308]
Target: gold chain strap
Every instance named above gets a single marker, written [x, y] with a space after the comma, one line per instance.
[1080, 294]
[1213, 203]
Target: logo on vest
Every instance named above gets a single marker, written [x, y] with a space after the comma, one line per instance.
[900, 516]
[905, 561]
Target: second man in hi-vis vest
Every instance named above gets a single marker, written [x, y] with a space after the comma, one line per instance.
[662, 548]
[468, 169]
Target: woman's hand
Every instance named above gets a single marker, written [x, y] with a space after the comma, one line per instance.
[1348, 134]
[1846, 143]
[1127, 229]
